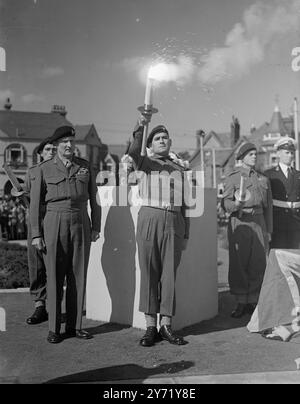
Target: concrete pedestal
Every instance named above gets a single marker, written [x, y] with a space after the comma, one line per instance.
[114, 274]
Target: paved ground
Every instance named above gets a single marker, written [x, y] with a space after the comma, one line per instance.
[219, 351]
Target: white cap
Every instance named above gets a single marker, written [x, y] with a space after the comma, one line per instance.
[285, 142]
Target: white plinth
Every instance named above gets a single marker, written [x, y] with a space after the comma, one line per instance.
[114, 274]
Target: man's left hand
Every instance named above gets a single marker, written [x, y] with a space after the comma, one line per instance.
[95, 235]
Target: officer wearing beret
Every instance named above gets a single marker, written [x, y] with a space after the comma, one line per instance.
[65, 184]
[162, 233]
[36, 266]
[285, 185]
[249, 229]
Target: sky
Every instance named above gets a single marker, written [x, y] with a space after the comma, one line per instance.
[225, 57]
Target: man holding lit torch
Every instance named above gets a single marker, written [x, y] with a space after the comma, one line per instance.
[162, 229]
[248, 199]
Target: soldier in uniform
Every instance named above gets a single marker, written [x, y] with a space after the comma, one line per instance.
[249, 230]
[65, 184]
[36, 265]
[162, 233]
[285, 185]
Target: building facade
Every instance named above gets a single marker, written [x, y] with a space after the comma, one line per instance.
[21, 132]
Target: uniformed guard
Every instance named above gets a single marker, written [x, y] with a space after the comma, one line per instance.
[285, 185]
[65, 184]
[247, 197]
[162, 233]
[36, 265]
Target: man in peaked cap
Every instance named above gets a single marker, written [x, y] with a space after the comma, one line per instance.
[64, 185]
[285, 185]
[277, 312]
[162, 233]
[249, 229]
[36, 265]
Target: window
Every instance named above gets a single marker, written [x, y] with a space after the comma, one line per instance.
[273, 159]
[271, 136]
[77, 152]
[15, 155]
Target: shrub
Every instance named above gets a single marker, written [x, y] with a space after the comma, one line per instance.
[13, 266]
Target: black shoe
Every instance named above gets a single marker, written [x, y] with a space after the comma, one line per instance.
[166, 333]
[150, 337]
[239, 311]
[54, 338]
[80, 334]
[39, 316]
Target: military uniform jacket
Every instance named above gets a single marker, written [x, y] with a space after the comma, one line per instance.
[284, 190]
[63, 190]
[259, 187]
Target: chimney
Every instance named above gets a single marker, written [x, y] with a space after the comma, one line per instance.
[199, 133]
[234, 131]
[8, 104]
[59, 109]
[252, 129]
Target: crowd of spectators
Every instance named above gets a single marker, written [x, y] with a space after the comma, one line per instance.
[12, 219]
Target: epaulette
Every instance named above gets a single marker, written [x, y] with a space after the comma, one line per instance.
[233, 172]
[80, 159]
[43, 162]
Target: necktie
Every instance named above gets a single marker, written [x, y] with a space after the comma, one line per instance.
[289, 173]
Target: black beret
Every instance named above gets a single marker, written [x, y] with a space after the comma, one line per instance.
[157, 129]
[244, 149]
[62, 131]
[43, 143]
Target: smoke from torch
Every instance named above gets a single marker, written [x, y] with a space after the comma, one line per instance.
[245, 46]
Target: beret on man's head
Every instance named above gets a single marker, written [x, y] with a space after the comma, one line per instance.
[43, 143]
[285, 143]
[62, 131]
[245, 149]
[157, 129]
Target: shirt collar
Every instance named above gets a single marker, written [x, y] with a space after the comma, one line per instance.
[247, 170]
[284, 168]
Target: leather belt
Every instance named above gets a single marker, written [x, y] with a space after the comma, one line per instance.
[248, 211]
[168, 207]
[286, 204]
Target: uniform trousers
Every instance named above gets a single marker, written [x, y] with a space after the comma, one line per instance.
[247, 256]
[160, 235]
[67, 236]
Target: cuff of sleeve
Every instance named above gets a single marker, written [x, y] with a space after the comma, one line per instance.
[35, 233]
[138, 130]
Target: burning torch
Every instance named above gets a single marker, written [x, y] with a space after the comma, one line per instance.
[148, 108]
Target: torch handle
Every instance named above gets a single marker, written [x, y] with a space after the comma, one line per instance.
[144, 142]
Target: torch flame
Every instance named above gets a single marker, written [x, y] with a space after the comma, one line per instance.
[159, 72]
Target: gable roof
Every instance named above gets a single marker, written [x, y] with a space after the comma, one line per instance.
[30, 125]
[277, 124]
[222, 154]
[224, 138]
[84, 131]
